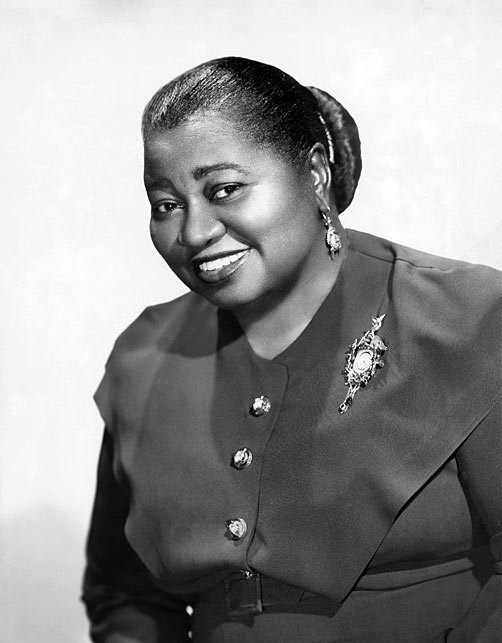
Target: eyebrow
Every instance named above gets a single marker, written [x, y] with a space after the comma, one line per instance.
[201, 172]
[198, 173]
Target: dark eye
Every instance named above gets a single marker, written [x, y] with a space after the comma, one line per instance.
[225, 191]
[160, 210]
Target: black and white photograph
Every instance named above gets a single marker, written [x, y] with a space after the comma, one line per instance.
[251, 365]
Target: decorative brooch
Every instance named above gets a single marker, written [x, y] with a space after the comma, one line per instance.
[363, 358]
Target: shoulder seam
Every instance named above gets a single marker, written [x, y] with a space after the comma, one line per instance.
[456, 263]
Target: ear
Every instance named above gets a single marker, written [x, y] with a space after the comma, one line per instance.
[321, 175]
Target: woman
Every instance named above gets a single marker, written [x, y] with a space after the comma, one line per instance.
[306, 447]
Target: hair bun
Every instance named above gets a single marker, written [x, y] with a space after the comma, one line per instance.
[347, 147]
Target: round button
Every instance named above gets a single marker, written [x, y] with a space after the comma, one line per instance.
[260, 406]
[242, 458]
[237, 528]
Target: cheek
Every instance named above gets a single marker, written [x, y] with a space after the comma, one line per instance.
[264, 217]
[163, 237]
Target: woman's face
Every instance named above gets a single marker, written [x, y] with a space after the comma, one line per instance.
[236, 223]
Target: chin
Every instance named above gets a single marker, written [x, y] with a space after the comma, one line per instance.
[226, 296]
[233, 293]
[225, 301]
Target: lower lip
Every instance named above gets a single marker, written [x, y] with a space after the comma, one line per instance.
[217, 276]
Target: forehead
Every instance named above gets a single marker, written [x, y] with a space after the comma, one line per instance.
[207, 139]
[201, 134]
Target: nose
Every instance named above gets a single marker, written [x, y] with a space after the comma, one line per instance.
[200, 228]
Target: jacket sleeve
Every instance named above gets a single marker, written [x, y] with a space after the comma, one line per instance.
[480, 463]
[123, 604]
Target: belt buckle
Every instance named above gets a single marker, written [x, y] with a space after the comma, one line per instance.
[243, 596]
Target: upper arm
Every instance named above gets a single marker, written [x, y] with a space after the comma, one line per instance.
[122, 601]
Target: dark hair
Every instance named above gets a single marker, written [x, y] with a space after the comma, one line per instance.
[271, 107]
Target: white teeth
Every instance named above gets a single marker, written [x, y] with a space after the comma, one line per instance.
[217, 264]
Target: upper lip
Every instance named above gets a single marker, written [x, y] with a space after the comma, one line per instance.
[202, 259]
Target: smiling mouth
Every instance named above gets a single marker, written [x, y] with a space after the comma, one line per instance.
[220, 268]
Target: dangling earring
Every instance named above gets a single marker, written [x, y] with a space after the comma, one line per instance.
[333, 241]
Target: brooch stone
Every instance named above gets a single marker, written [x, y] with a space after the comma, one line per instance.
[362, 359]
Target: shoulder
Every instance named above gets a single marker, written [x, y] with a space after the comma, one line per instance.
[422, 279]
[445, 320]
[161, 323]
[385, 250]
[185, 327]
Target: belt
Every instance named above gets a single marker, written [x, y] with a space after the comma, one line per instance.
[249, 593]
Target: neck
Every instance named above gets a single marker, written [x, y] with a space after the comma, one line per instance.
[271, 328]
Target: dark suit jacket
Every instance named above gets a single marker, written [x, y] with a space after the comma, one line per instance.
[402, 491]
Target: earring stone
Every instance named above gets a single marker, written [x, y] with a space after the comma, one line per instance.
[333, 241]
